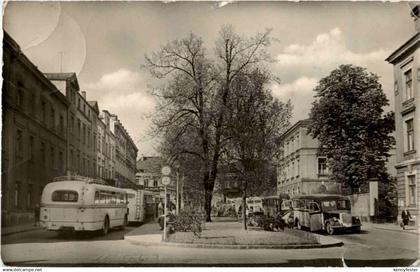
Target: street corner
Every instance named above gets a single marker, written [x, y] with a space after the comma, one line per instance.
[144, 240]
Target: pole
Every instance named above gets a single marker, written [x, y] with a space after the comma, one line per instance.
[177, 193]
[164, 219]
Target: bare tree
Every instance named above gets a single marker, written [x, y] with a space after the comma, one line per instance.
[197, 92]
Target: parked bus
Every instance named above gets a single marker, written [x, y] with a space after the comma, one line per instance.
[136, 206]
[273, 205]
[324, 212]
[82, 204]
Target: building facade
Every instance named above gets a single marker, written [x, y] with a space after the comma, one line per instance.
[406, 62]
[149, 176]
[301, 170]
[106, 147]
[34, 134]
[125, 153]
[81, 155]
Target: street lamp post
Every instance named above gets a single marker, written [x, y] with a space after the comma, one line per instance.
[166, 180]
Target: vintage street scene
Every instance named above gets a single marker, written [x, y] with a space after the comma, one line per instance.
[231, 134]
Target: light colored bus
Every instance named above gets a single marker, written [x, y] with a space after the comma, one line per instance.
[82, 204]
[136, 205]
[324, 212]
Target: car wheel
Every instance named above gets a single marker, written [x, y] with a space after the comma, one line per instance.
[329, 228]
[105, 226]
[356, 229]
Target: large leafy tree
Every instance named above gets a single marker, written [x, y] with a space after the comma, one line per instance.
[348, 119]
[254, 123]
[196, 92]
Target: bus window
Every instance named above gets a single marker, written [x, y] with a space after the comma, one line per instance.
[65, 196]
[97, 198]
[102, 199]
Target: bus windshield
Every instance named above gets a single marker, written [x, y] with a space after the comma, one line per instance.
[334, 205]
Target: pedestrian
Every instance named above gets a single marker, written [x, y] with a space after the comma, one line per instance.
[405, 216]
[160, 208]
[36, 215]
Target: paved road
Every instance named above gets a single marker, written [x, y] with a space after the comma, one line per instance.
[373, 247]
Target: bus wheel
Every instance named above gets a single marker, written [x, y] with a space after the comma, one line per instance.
[105, 226]
[329, 229]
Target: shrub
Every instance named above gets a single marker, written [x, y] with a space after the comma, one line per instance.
[271, 223]
[189, 221]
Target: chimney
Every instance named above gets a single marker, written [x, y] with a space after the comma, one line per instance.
[415, 13]
[84, 94]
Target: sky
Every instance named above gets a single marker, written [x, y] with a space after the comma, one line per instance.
[104, 43]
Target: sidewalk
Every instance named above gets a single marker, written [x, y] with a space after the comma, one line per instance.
[392, 227]
[18, 228]
[146, 234]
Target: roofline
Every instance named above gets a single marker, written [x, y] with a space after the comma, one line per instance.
[7, 39]
[404, 48]
[293, 127]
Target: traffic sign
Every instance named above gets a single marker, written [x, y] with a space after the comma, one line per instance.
[166, 170]
[166, 180]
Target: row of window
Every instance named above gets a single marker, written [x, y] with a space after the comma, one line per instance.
[105, 197]
[25, 197]
[56, 155]
[49, 118]
[292, 169]
[292, 145]
[83, 132]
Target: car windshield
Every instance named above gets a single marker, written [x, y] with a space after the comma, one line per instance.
[333, 205]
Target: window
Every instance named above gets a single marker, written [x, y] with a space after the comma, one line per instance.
[60, 161]
[78, 105]
[20, 97]
[72, 124]
[79, 128]
[61, 124]
[43, 111]
[52, 155]
[84, 134]
[65, 196]
[88, 137]
[29, 196]
[52, 118]
[408, 77]
[19, 144]
[297, 168]
[17, 194]
[322, 166]
[31, 149]
[410, 134]
[412, 190]
[32, 103]
[71, 159]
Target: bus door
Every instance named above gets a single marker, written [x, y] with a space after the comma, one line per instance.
[316, 217]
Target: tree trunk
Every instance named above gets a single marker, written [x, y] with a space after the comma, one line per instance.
[244, 209]
[208, 195]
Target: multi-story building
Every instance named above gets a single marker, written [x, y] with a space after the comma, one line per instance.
[301, 170]
[34, 134]
[406, 61]
[149, 176]
[106, 146]
[82, 118]
[122, 148]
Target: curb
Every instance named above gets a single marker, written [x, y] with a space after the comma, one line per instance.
[19, 231]
[331, 243]
[398, 230]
